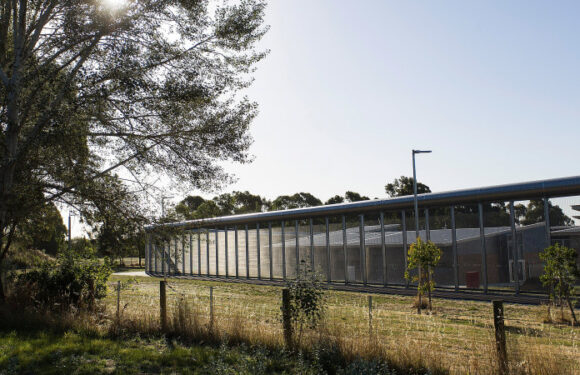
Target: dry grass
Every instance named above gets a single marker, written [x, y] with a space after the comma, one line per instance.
[456, 338]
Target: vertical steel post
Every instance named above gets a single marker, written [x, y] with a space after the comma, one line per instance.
[217, 257]
[404, 230]
[207, 250]
[454, 249]
[311, 244]
[296, 224]
[547, 220]
[183, 252]
[383, 248]
[344, 248]
[258, 251]
[427, 231]
[163, 259]
[363, 258]
[154, 256]
[270, 250]
[190, 253]
[226, 251]
[199, 252]
[328, 268]
[515, 271]
[236, 250]
[147, 250]
[283, 237]
[176, 262]
[483, 249]
[247, 252]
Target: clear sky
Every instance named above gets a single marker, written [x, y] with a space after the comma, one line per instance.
[350, 87]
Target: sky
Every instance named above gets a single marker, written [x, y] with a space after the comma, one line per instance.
[350, 88]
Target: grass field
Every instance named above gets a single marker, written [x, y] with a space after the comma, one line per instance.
[457, 338]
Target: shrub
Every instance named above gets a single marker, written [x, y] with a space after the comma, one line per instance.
[70, 281]
[307, 300]
[560, 273]
[423, 256]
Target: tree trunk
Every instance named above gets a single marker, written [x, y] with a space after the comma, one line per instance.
[429, 286]
[420, 292]
[2, 295]
[574, 320]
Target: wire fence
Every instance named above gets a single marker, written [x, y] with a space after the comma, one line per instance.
[458, 335]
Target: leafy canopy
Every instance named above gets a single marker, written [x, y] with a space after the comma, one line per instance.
[93, 100]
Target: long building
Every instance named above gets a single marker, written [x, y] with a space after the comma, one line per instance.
[484, 246]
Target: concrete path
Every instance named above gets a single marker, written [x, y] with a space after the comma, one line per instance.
[131, 273]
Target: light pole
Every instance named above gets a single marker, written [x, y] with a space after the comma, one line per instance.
[415, 191]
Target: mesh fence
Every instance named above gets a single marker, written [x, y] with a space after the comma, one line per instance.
[488, 246]
[458, 335]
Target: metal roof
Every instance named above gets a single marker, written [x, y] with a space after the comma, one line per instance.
[519, 191]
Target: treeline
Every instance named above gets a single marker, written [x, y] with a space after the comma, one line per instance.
[241, 202]
[117, 237]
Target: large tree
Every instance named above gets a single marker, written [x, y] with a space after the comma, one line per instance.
[148, 85]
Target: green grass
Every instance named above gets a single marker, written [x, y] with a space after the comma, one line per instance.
[458, 335]
[247, 337]
[70, 352]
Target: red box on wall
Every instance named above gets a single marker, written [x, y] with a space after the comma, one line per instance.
[472, 279]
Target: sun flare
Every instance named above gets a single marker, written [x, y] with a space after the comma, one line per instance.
[114, 4]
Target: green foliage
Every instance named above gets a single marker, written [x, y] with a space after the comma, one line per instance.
[404, 186]
[237, 202]
[560, 274]
[298, 200]
[423, 256]
[307, 300]
[352, 196]
[334, 200]
[43, 229]
[70, 281]
[534, 213]
[152, 87]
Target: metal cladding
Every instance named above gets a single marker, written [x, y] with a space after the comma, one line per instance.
[519, 191]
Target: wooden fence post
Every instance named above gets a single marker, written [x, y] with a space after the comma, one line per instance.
[370, 315]
[163, 304]
[118, 301]
[286, 318]
[500, 343]
[211, 317]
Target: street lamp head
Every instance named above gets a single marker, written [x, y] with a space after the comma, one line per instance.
[422, 151]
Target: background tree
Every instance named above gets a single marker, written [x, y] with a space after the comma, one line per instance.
[334, 200]
[298, 200]
[185, 210]
[240, 202]
[534, 213]
[560, 274]
[86, 89]
[404, 186]
[352, 196]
